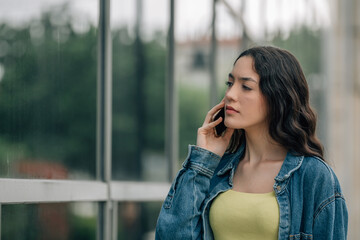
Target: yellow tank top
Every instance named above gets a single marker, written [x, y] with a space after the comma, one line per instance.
[250, 216]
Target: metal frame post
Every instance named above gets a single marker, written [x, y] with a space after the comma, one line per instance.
[104, 117]
[139, 98]
[213, 55]
[171, 111]
[0, 220]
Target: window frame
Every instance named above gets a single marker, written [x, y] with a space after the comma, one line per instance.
[104, 191]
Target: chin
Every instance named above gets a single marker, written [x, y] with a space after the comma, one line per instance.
[231, 124]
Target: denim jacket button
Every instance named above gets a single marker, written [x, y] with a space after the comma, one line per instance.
[278, 188]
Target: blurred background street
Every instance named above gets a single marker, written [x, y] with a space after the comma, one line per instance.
[113, 92]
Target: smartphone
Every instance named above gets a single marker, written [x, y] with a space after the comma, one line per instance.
[220, 128]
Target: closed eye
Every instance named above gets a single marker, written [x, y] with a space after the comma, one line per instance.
[229, 84]
[246, 88]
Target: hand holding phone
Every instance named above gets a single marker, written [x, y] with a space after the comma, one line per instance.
[220, 128]
[213, 135]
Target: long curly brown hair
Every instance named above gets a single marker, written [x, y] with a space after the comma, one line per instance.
[292, 122]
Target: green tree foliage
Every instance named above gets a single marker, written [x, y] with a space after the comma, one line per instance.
[193, 106]
[45, 221]
[48, 96]
[48, 104]
[305, 44]
[48, 92]
[129, 97]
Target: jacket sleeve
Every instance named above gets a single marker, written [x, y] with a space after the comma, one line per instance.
[331, 217]
[331, 222]
[180, 215]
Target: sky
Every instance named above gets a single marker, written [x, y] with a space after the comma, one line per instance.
[192, 17]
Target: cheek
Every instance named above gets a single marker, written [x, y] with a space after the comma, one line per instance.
[254, 106]
[251, 105]
[262, 108]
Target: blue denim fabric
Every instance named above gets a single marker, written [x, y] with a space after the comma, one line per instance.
[307, 190]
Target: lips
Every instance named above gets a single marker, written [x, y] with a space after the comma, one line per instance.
[230, 109]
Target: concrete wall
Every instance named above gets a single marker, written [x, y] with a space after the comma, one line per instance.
[342, 54]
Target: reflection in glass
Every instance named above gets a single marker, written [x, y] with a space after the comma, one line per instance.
[139, 68]
[193, 42]
[137, 220]
[48, 90]
[56, 221]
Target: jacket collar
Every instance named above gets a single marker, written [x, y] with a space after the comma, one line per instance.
[291, 163]
[232, 160]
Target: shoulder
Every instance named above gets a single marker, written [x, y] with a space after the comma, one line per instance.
[318, 176]
[318, 185]
[315, 167]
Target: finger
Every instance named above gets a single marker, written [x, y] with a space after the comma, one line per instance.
[215, 109]
[211, 125]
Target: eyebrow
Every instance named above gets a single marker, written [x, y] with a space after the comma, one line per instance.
[242, 78]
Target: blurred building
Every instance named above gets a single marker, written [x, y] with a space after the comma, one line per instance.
[342, 61]
[193, 58]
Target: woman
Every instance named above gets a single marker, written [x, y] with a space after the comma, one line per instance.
[265, 176]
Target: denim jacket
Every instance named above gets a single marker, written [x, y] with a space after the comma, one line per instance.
[308, 193]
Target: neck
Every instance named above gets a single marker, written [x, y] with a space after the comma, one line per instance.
[261, 147]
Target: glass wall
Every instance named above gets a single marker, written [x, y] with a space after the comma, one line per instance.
[139, 70]
[192, 64]
[137, 220]
[58, 221]
[51, 60]
[48, 89]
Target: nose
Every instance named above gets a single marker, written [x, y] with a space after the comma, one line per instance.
[230, 94]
